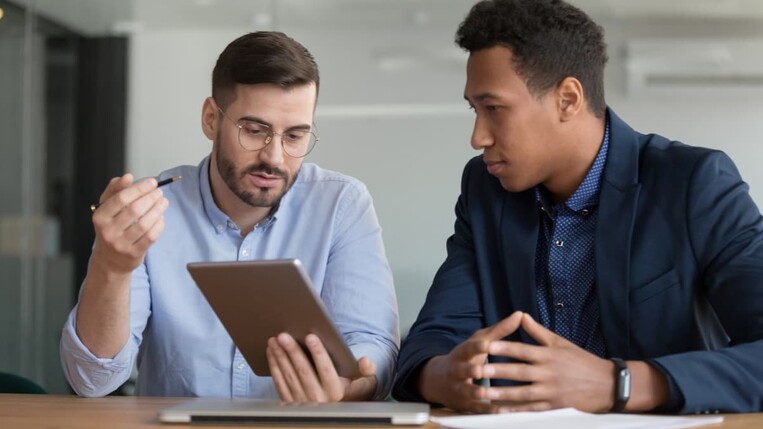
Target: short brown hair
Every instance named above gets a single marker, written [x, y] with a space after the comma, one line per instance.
[262, 57]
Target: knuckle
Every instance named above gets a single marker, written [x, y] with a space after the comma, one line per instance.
[133, 210]
[107, 236]
[304, 371]
[152, 235]
[98, 220]
[473, 371]
[120, 248]
[524, 372]
[336, 395]
[122, 199]
[528, 395]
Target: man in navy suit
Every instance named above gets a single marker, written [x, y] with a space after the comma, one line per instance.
[591, 266]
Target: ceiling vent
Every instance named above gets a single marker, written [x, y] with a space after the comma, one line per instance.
[673, 67]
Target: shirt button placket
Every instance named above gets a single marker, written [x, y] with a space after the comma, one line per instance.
[240, 382]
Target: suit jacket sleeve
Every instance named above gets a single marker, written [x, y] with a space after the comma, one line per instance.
[726, 234]
[452, 310]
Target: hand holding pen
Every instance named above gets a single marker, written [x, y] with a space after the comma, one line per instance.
[127, 221]
[158, 185]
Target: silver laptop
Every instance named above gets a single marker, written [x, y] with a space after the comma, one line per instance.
[274, 413]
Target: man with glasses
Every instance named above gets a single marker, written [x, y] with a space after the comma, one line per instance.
[252, 198]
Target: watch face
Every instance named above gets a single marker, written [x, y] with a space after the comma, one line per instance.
[624, 384]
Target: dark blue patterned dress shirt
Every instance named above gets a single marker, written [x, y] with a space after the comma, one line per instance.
[565, 262]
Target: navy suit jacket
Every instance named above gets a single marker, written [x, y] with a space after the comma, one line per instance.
[679, 270]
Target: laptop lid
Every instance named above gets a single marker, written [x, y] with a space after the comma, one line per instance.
[241, 411]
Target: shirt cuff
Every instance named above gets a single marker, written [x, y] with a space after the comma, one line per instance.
[88, 374]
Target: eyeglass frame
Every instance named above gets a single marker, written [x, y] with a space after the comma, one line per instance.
[271, 134]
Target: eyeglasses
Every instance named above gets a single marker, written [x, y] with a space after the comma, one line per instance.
[253, 136]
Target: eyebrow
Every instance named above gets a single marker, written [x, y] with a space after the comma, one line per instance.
[483, 97]
[305, 127]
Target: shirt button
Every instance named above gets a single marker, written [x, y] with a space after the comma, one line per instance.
[559, 243]
[559, 305]
[584, 212]
[245, 252]
[240, 366]
[220, 227]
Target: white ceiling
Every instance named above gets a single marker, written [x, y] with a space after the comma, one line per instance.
[117, 16]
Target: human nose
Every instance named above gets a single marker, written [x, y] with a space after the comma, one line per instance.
[481, 135]
[272, 153]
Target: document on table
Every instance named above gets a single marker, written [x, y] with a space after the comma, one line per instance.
[570, 418]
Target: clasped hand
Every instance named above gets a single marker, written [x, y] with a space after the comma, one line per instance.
[555, 373]
[299, 380]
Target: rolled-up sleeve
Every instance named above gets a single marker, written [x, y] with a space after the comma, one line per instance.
[90, 375]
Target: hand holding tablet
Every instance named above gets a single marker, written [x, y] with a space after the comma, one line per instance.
[258, 300]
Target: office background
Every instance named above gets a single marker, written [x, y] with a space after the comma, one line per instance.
[92, 88]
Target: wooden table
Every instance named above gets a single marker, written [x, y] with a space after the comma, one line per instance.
[65, 412]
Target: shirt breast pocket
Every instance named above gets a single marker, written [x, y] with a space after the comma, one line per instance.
[655, 287]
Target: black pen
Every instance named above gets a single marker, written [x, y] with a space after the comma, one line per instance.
[158, 185]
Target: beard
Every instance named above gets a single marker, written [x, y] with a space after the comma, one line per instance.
[261, 197]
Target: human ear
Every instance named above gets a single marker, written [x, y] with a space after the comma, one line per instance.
[570, 98]
[209, 118]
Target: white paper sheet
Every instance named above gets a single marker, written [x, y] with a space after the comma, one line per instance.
[570, 418]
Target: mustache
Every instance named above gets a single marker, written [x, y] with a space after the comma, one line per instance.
[260, 168]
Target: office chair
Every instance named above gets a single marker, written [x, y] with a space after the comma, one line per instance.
[10, 383]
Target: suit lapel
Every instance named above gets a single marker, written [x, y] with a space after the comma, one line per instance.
[617, 211]
[519, 230]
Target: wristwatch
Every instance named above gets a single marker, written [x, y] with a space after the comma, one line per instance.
[622, 385]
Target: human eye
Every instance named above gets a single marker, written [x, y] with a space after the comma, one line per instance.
[253, 129]
[296, 136]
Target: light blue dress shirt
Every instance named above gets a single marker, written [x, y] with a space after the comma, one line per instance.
[327, 220]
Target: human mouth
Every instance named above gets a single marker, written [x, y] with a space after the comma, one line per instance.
[262, 180]
[494, 167]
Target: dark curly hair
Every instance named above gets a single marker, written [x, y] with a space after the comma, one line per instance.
[262, 57]
[550, 40]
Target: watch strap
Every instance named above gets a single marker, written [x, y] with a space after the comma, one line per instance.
[622, 385]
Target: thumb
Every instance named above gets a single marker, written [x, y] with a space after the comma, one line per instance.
[366, 367]
[115, 185]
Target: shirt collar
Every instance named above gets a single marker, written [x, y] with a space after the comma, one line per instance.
[587, 194]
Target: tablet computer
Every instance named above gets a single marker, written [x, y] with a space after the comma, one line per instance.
[257, 300]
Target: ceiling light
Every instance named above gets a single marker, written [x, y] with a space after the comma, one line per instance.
[1, 13]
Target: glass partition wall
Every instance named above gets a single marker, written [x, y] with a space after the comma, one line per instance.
[45, 145]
